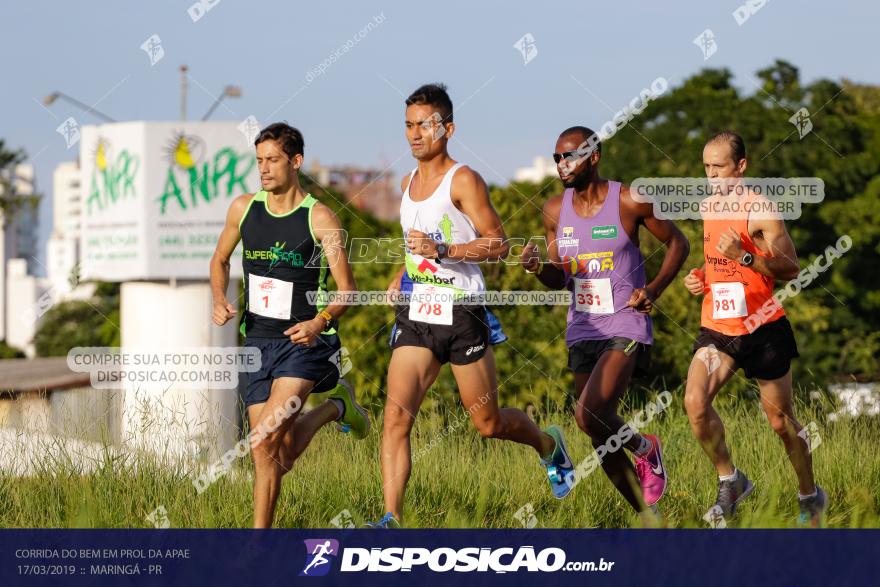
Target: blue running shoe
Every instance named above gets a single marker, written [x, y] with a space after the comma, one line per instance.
[559, 466]
[388, 521]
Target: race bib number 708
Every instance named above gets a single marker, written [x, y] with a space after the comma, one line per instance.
[431, 304]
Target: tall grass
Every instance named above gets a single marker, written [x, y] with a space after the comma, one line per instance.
[463, 480]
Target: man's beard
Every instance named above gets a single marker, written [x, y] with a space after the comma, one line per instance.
[578, 182]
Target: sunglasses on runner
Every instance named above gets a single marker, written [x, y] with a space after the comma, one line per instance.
[568, 156]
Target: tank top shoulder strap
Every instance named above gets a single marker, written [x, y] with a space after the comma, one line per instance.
[567, 197]
[614, 189]
[412, 175]
[309, 204]
[450, 174]
[309, 201]
[567, 208]
[614, 194]
[260, 196]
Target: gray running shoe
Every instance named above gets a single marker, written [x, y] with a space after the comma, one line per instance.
[730, 493]
[813, 509]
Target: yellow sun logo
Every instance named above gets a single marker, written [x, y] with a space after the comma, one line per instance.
[182, 155]
[185, 151]
[101, 155]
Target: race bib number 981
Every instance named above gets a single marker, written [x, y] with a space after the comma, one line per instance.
[728, 300]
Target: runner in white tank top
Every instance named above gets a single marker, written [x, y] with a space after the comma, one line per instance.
[438, 218]
[449, 226]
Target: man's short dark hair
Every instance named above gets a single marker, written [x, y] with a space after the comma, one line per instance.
[585, 133]
[734, 141]
[433, 95]
[288, 137]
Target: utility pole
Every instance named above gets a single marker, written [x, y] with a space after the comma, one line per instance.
[183, 83]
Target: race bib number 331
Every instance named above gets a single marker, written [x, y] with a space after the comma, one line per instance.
[593, 296]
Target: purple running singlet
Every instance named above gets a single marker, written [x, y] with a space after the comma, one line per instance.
[602, 268]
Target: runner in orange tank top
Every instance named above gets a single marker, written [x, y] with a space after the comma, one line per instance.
[734, 291]
[744, 254]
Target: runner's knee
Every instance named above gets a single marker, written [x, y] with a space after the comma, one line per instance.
[490, 427]
[266, 452]
[590, 422]
[398, 421]
[696, 402]
[779, 421]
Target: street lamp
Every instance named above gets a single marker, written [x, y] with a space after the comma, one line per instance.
[51, 98]
[231, 91]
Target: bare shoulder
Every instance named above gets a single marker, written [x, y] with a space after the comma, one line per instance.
[626, 197]
[633, 206]
[323, 216]
[238, 206]
[466, 180]
[764, 215]
[241, 201]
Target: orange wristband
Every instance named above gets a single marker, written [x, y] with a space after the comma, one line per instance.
[326, 316]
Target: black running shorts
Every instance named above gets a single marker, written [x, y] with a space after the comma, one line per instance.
[282, 358]
[765, 354]
[464, 342]
[584, 354]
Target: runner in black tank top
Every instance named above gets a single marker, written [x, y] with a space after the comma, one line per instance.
[280, 249]
[291, 242]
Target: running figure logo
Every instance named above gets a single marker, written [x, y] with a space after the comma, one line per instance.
[706, 42]
[154, 49]
[320, 553]
[801, 121]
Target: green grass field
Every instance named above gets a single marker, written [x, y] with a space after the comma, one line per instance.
[462, 480]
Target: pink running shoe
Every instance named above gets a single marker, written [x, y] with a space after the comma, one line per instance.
[651, 472]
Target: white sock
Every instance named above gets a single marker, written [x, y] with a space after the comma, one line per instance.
[730, 477]
[802, 497]
[644, 447]
[340, 407]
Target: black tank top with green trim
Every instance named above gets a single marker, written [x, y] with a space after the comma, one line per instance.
[282, 263]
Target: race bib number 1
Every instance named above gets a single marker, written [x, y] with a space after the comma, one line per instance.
[431, 304]
[593, 296]
[269, 297]
[728, 300]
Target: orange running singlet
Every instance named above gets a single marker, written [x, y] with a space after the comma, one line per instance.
[733, 291]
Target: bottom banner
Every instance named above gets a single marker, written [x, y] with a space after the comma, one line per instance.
[437, 557]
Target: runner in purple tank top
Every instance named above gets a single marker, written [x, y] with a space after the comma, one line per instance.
[593, 235]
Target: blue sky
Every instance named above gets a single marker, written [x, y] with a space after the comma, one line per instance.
[507, 111]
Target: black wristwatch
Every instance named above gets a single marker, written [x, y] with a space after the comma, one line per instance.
[442, 249]
[747, 259]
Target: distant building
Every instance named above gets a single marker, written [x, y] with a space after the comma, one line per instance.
[25, 298]
[541, 169]
[19, 228]
[18, 238]
[369, 189]
[67, 199]
[62, 250]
